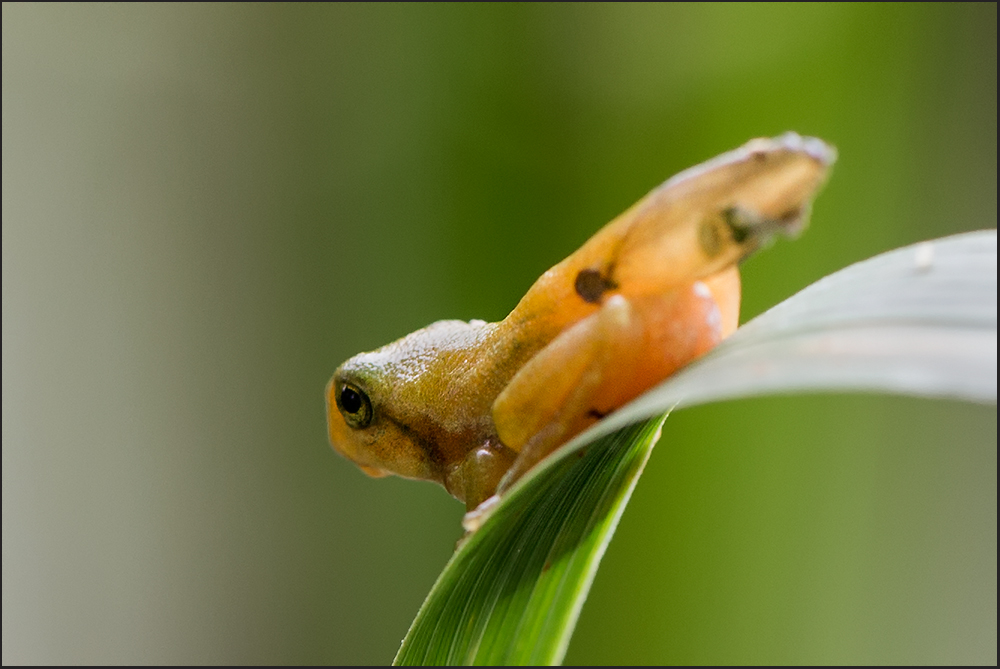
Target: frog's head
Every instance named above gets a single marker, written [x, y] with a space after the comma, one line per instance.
[391, 411]
[362, 425]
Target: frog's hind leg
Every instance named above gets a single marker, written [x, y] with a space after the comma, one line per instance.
[605, 360]
[553, 396]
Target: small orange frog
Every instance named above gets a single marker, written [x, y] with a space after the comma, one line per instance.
[473, 406]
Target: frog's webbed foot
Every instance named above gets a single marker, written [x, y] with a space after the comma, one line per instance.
[752, 231]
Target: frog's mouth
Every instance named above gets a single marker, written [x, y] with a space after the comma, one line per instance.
[340, 441]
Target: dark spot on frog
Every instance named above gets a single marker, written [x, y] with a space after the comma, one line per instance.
[590, 285]
[738, 223]
[596, 414]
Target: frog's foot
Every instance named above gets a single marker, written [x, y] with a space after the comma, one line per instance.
[476, 476]
[753, 231]
[475, 519]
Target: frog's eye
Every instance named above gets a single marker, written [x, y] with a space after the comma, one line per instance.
[355, 405]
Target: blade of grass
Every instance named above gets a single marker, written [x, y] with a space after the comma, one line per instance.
[512, 592]
[919, 320]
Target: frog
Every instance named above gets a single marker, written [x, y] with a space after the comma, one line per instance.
[474, 406]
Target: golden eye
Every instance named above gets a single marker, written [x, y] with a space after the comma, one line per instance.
[355, 405]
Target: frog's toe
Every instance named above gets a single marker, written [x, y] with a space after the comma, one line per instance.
[475, 519]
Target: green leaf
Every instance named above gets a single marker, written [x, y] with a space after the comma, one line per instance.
[512, 592]
[921, 320]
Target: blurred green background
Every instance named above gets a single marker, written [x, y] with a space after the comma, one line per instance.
[206, 208]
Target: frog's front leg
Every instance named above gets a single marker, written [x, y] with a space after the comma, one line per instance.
[602, 362]
[477, 476]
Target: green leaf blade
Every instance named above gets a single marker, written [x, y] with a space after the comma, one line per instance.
[512, 593]
[920, 320]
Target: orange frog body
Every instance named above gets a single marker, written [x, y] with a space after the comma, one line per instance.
[473, 406]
